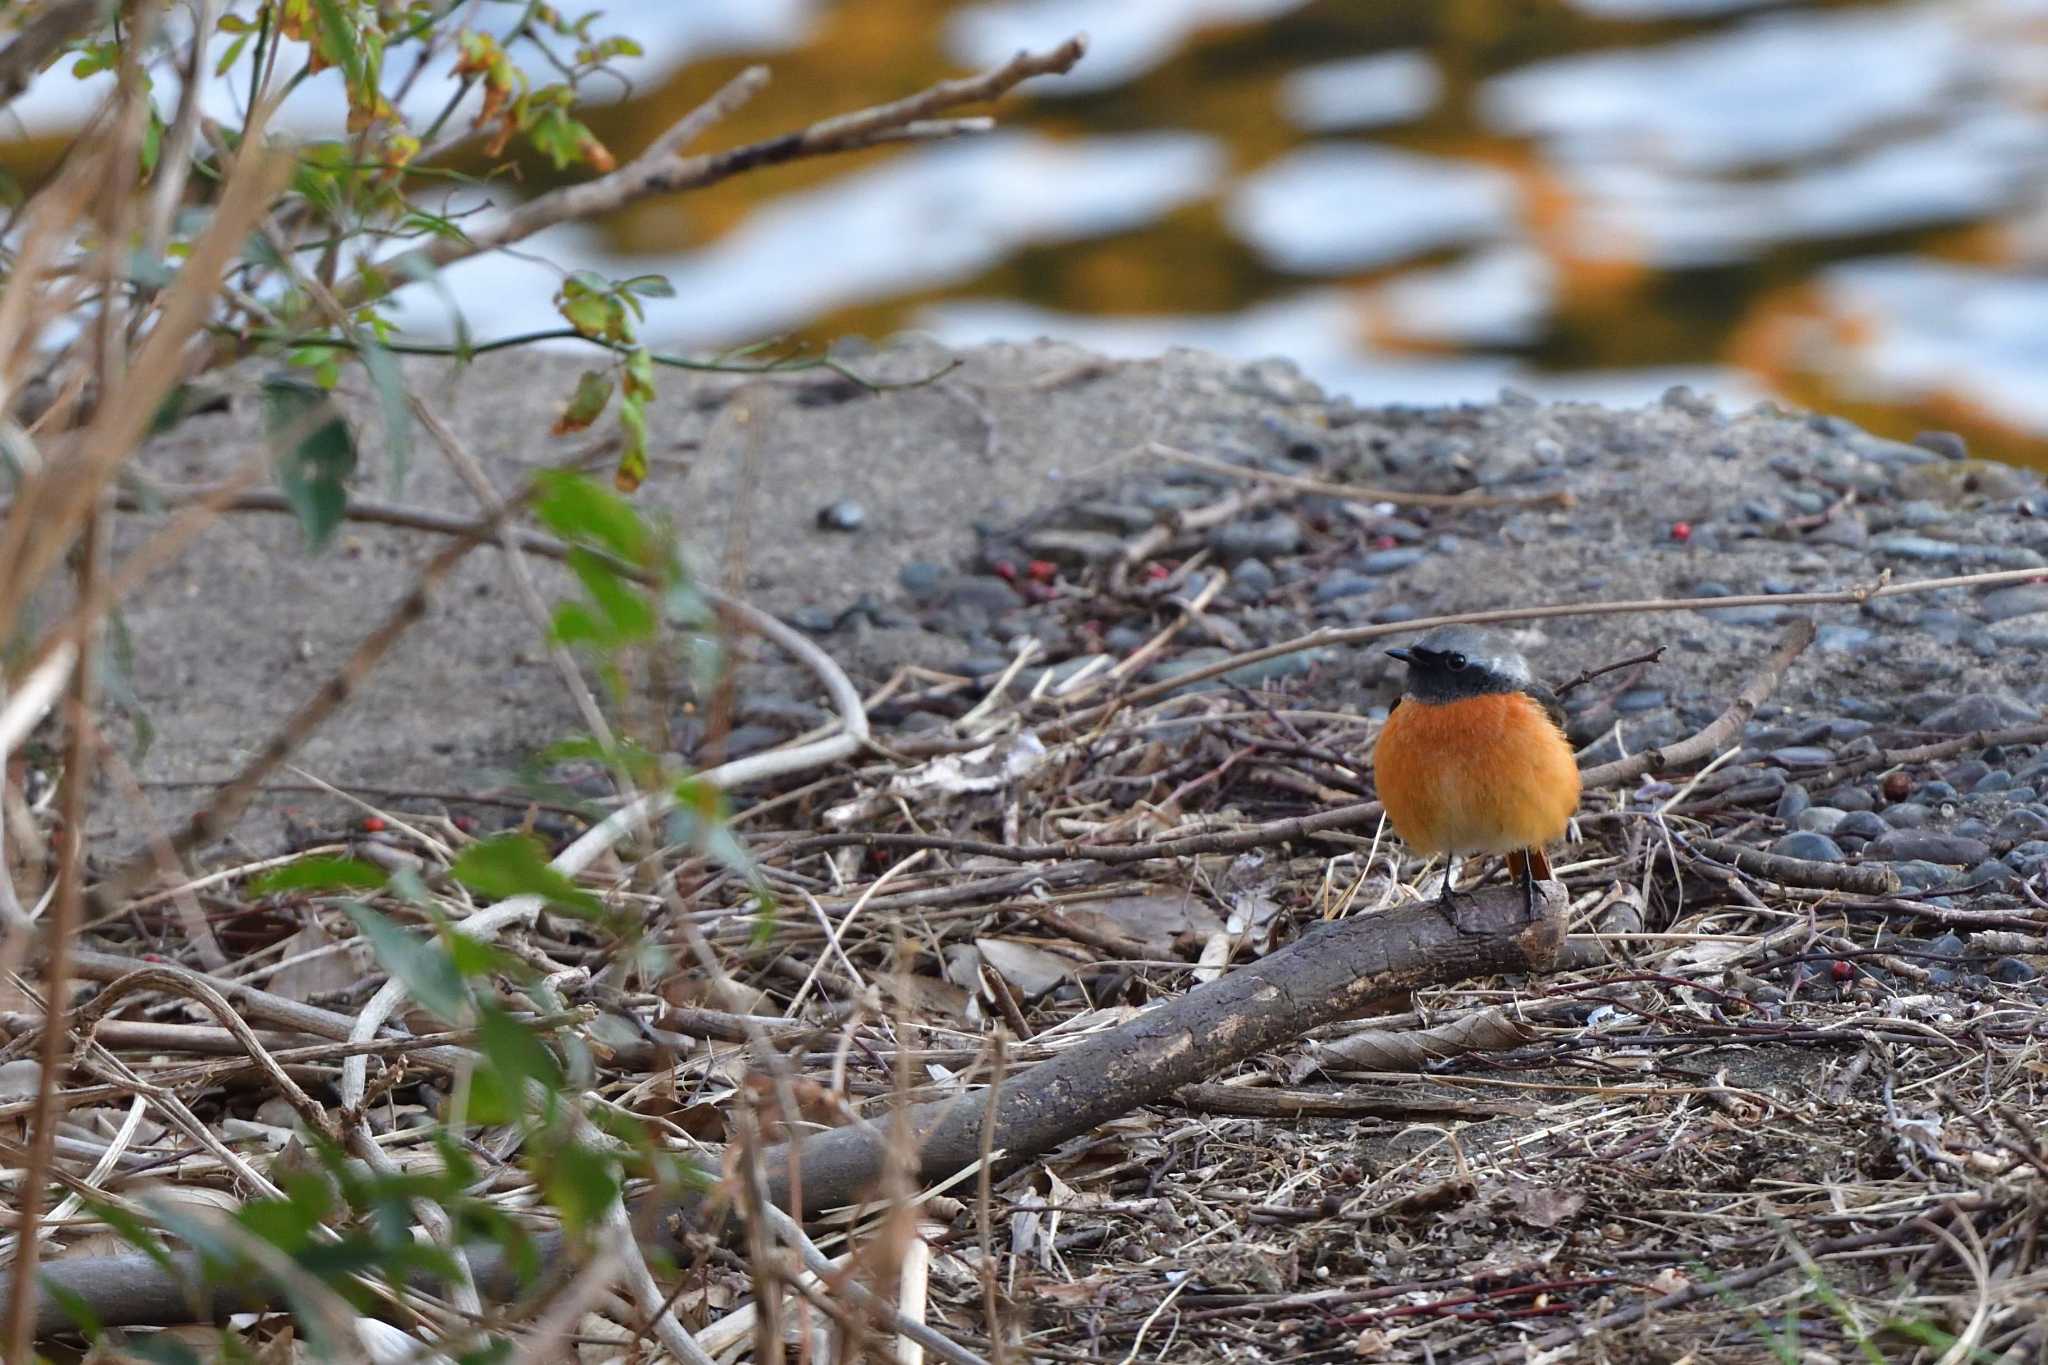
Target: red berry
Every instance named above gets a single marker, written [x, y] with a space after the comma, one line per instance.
[373, 824]
[465, 823]
[1681, 531]
[1155, 571]
[1043, 570]
[1005, 570]
[1385, 543]
[1842, 970]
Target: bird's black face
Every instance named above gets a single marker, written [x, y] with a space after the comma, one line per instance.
[1454, 662]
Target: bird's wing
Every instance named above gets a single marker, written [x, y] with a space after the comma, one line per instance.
[1546, 699]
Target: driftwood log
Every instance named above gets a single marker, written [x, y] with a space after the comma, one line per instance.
[1333, 972]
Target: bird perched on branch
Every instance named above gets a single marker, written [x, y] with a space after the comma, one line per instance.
[1473, 758]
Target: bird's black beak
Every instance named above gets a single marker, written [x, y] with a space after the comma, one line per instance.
[1405, 655]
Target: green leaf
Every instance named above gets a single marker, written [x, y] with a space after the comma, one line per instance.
[576, 509]
[421, 963]
[626, 608]
[515, 1051]
[581, 1184]
[513, 865]
[593, 391]
[321, 874]
[389, 382]
[649, 286]
[315, 453]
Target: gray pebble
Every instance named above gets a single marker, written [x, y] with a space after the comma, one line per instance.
[1989, 875]
[1793, 801]
[2012, 971]
[843, 515]
[988, 593]
[1991, 782]
[1976, 711]
[1949, 946]
[1946, 444]
[1639, 699]
[1917, 875]
[1929, 551]
[815, 620]
[1839, 639]
[1822, 819]
[1392, 561]
[1862, 824]
[2022, 599]
[923, 580]
[1252, 580]
[1343, 584]
[1907, 815]
[2028, 858]
[2020, 824]
[1936, 790]
[1265, 538]
[1809, 846]
[1926, 845]
[1852, 799]
[1803, 756]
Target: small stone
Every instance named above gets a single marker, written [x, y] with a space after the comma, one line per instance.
[1252, 580]
[991, 595]
[2028, 858]
[1949, 946]
[1853, 799]
[1917, 876]
[1840, 639]
[1392, 561]
[843, 515]
[2012, 971]
[1946, 444]
[1340, 585]
[1822, 819]
[1793, 801]
[1802, 756]
[1925, 845]
[1936, 790]
[923, 580]
[1907, 815]
[1995, 781]
[1809, 847]
[1989, 875]
[1976, 711]
[815, 620]
[1861, 824]
[1264, 537]
[2022, 599]
[2018, 825]
[20, 1078]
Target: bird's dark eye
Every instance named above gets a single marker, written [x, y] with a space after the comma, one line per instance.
[1455, 662]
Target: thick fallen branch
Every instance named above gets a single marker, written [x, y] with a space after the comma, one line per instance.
[1329, 974]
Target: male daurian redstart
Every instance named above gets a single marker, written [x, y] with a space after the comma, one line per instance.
[1473, 758]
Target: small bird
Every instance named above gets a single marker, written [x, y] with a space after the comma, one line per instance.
[1473, 758]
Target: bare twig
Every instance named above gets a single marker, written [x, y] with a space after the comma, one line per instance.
[661, 170]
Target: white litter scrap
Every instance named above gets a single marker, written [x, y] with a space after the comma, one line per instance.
[991, 768]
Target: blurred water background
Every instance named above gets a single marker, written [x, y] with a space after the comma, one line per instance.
[1838, 205]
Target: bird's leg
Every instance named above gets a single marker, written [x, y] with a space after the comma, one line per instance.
[1528, 887]
[1447, 899]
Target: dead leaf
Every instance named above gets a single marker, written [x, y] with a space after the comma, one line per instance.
[1030, 970]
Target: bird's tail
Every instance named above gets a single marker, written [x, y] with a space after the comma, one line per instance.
[1534, 860]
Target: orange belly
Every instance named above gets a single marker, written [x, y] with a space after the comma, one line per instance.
[1487, 774]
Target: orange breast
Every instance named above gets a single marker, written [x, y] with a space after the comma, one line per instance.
[1483, 775]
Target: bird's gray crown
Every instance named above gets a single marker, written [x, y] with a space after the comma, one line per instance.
[1452, 662]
